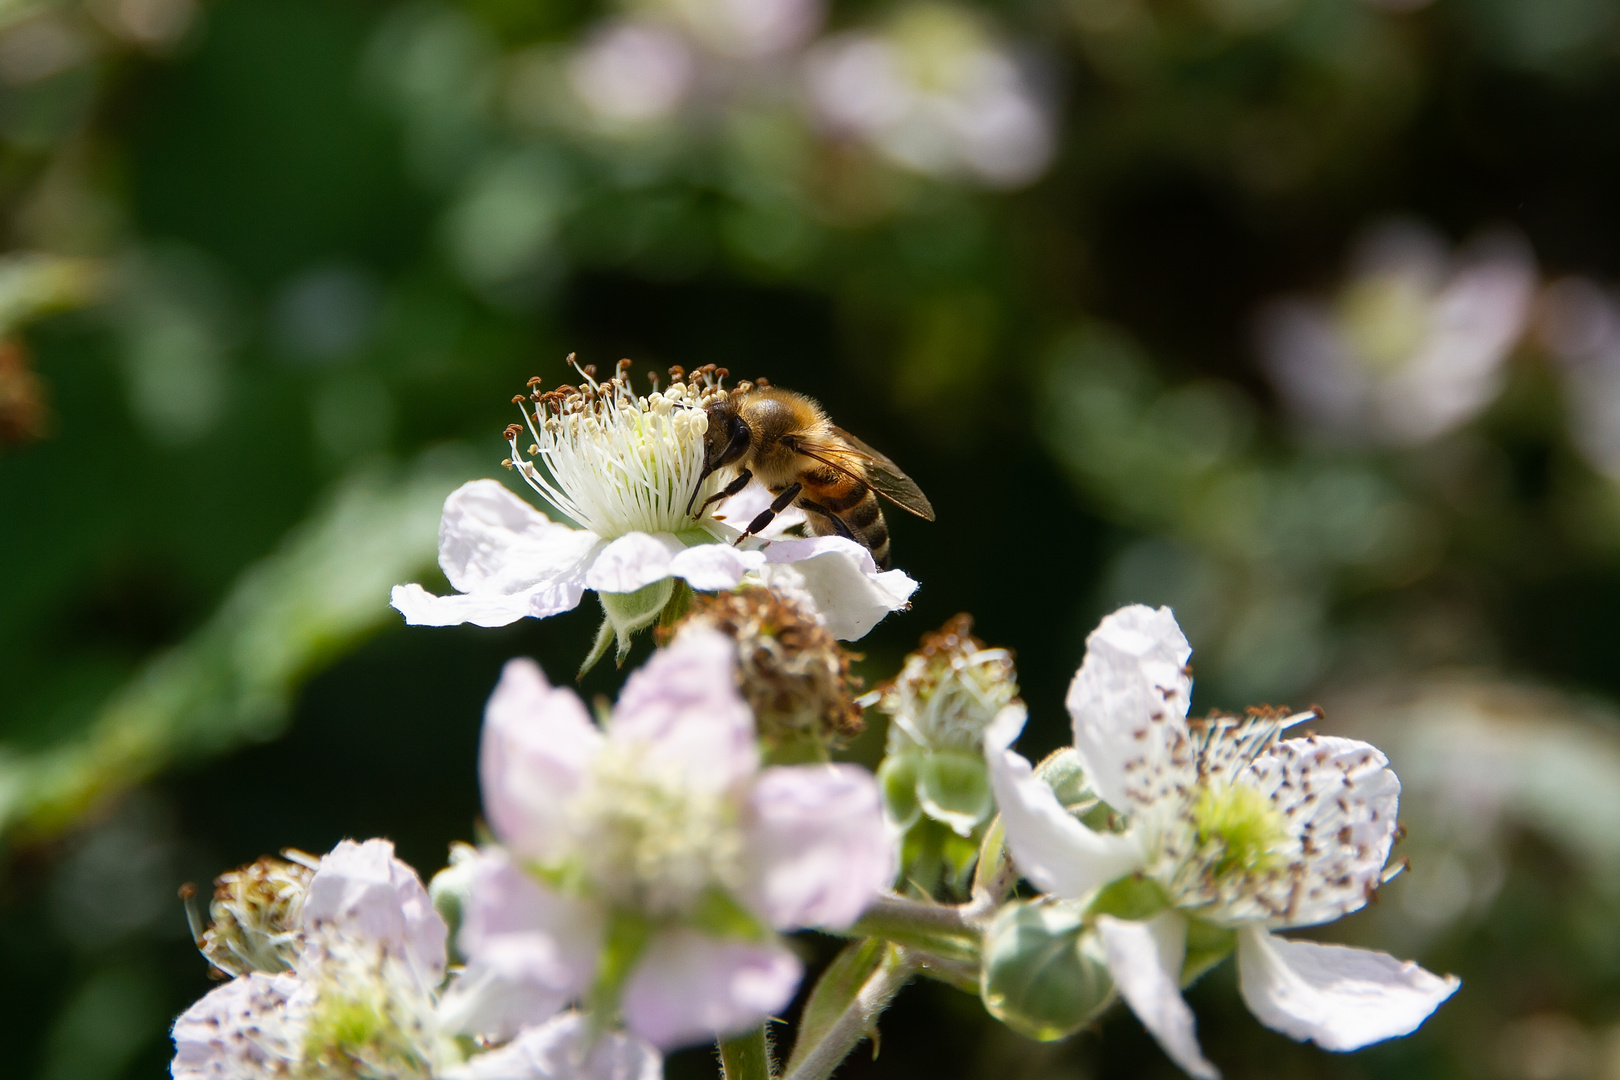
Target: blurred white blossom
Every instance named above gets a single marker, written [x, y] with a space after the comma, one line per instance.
[631, 71]
[1579, 324]
[647, 866]
[933, 93]
[1413, 343]
[1228, 833]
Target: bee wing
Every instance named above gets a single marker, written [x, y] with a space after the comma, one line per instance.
[884, 476]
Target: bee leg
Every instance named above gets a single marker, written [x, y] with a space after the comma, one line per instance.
[764, 517]
[839, 528]
[724, 493]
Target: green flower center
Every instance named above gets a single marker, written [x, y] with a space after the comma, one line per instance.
[650, 842]
[1238, 829]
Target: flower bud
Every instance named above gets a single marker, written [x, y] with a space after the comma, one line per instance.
[451, 887]
[257, 917]
[1044, 974]
[793, 673]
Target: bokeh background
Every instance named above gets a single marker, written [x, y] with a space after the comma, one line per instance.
[1296, 315]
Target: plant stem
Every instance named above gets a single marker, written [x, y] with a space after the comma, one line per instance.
[933, 928]
[858, 1020]
[747, 1057]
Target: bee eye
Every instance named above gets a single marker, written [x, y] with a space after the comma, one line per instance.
[737, 445]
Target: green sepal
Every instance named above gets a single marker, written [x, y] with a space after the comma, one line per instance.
[954, 788]
[897, 776]
[633, 612]
[718, 915]
[1135, 897]
[835, 991]
[622, 945]
[1207, 945]
[1043, 973]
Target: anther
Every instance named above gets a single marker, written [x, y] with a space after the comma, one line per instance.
[517, 399]
[506, 463]
[535, 381]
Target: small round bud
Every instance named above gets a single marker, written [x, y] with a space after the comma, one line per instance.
[793, 673]
[257, 917]
[1044, 975]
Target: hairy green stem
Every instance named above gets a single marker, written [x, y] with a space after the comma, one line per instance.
[747, 1057]
[937, 929]
[858, 1020]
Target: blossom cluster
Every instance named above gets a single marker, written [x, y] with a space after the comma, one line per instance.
[641, 867]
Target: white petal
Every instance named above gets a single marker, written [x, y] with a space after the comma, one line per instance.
[536, 745]
[842, 581]
[422, 608]
[1129, 704]
[748, 503]
[1053, 850]
[563, 1049]
[1337, 997]
[1340, 798]
[684, 704]
[688, 987]
[633, 561]
[251, 1028]
[713, 567]
[365, 892]
[1145, 959]
[817, 845]
[491, 541]
[529, 951]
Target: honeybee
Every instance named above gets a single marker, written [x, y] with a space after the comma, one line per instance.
[785, 441]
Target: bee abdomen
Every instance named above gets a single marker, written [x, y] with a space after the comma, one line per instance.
[865, 520]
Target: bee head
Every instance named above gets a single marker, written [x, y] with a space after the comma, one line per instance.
[728, 436]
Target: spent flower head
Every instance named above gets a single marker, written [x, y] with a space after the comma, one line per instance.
[1222, 832]
[257, 915]
[791, 671]
[939, 706]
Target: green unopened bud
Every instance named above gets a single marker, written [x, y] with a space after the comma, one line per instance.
[1044, 975]
[954, 788]
[257, 915]
[793, 673]
[452, 886]
[948, 691]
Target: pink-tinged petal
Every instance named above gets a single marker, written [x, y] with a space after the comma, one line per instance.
[633, 561]
[1340, 799]
[684, 706]
[1129, 704]
[1052, 849]
[818, 846]
[537, 743]
[491, 541]
[841, 580]
[565, 1048]
[689, 988]
[1145, 960]
[365, 892]
[251, 1028]
[530, 950]
[1337, 997]
[713, 567]
[422, 608]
